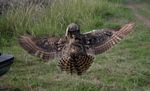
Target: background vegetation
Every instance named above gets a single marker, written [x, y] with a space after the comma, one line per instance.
[126, 67]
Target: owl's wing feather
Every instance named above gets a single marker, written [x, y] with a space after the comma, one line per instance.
[45, 48]
[102, 40]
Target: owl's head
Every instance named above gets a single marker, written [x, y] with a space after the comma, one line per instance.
[72, 30]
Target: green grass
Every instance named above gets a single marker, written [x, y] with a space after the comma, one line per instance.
[126, 67]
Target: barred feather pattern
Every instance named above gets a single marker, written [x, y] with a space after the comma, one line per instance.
[76, 65]
[114, 39]
[102, 40]
[44, 48]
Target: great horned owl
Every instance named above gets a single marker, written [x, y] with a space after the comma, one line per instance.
[75, 50]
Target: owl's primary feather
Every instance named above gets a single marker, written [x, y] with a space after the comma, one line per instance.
[45, 48]
[75, 48]
[102, 40]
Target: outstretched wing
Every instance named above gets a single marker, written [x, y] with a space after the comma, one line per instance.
[45, 48]
[102, 40]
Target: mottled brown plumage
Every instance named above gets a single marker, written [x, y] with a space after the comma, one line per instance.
[77, 65]
[45, 48]
[76, 51]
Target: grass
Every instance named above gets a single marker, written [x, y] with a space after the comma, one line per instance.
[125, 67]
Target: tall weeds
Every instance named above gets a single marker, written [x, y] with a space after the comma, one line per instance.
[54, 17]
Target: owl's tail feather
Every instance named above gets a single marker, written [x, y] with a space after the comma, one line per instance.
[76, 65]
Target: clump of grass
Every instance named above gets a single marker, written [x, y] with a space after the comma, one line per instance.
[53, 19]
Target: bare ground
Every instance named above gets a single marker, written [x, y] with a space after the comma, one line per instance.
[134, 7]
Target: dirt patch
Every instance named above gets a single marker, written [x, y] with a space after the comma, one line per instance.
[134, 8]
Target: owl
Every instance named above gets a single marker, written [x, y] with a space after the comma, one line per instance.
[75, 51]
